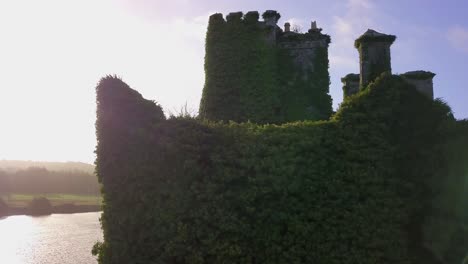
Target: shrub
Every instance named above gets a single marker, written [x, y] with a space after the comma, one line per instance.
[40, 206]
[3, 207]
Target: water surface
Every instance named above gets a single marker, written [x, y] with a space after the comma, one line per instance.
[53, 239]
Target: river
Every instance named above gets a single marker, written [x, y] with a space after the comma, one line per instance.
[52, 239]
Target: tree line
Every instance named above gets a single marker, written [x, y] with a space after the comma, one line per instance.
[39, 180]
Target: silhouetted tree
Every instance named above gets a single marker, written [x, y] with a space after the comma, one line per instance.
[3, 207]
[4, 182]
[40, 206]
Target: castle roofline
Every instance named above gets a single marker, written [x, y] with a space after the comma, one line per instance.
[418, 75]
[291, 36]
[373, 36]
[270, 17]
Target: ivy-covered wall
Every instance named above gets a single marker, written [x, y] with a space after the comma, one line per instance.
[248, 77]
[378, 183]
[240, 72]
[304, 81]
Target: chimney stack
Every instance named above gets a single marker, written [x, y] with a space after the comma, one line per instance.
[313, 25]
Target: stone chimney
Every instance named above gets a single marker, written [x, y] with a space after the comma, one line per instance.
[350, 84]
[287, 27]
[374, 55]
[422, 81]
[313, 25]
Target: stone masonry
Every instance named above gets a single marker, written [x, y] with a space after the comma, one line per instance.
[374, 59]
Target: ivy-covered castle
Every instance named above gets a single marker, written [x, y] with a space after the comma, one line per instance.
[383, 180]
[257, 71]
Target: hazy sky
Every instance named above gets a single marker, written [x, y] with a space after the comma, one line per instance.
[53, 52]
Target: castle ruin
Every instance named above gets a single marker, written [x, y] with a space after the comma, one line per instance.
[363, 187]
[257, 71]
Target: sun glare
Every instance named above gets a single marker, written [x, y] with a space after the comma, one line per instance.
[54, 52]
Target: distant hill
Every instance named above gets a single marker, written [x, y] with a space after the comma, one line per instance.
[15, 165]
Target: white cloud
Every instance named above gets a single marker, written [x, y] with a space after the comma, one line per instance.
[342, 26]
[361, 4]
[458, 37]
[359, 16]
[356, 17]
[297, 23]
[355, 20]
[343, 61]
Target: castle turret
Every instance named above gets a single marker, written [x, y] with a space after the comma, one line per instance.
[313, 26]
[374, 55]
[422, 80]
[271, 17]
[257, 72]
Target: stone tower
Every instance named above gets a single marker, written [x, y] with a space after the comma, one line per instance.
[256, 71]
[374, 55]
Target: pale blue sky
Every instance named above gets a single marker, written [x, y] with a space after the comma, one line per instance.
[53, 52]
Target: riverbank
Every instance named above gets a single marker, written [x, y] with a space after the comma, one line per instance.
[60, 209]
[20, 204]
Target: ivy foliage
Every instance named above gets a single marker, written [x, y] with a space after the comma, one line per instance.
[240, 67]
[305, 98]
[248, 77]
[376, 63]
[368, 186]
[350, 84]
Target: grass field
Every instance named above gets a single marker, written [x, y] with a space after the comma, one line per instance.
[18, 200]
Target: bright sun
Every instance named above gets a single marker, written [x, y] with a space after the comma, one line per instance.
[54, 52]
